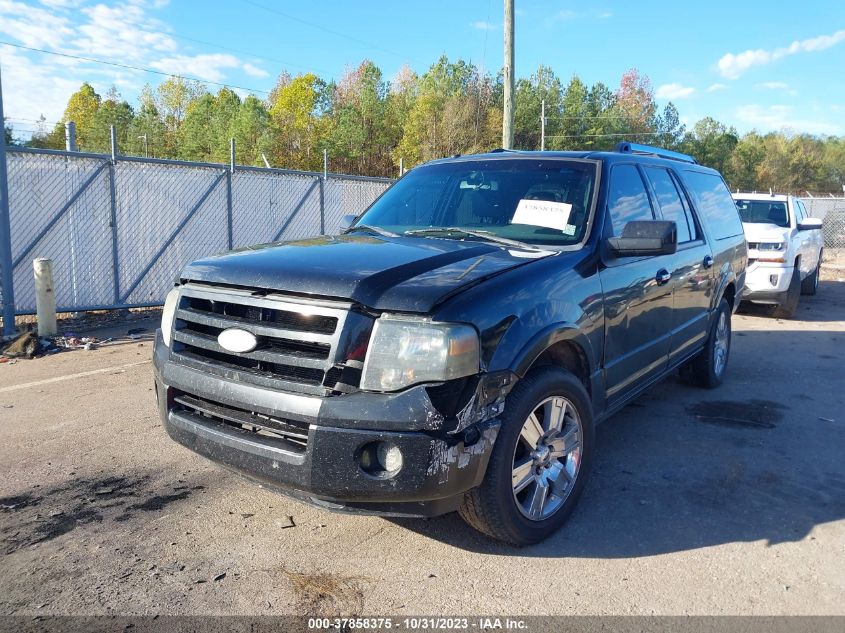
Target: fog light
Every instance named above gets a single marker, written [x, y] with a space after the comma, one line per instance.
[773, 279]
[380, 459]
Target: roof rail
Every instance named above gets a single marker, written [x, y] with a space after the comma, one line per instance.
[635, 148]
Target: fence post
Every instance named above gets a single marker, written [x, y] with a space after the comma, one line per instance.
[115, 262]
[70, 137]
[45, 296]
[229, 177]
[7, 279]
[323, 181]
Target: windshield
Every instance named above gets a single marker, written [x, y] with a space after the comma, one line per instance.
[763, 212]
[525, 200]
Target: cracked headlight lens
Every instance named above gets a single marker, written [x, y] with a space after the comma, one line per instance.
[405, 351]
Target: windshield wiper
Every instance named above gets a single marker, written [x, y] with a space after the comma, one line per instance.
[373, 229]
[484, 235]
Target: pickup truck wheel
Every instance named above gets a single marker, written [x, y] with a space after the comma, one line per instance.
[811, 282]
[539, 462]
[708, 368]
[787, 309]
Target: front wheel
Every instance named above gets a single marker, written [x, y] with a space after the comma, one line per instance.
[708, 368]
[539, 462]
[810, 285]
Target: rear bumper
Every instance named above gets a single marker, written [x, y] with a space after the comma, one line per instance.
[436, 469]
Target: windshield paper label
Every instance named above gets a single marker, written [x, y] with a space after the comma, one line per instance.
[550, 215]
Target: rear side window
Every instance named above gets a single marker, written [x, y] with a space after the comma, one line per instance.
[714, 203]
[627, 200]
[670, 202]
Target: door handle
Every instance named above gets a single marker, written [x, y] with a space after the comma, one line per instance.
[708, 261]
[662, 277]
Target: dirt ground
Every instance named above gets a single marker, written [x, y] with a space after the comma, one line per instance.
[702, 502]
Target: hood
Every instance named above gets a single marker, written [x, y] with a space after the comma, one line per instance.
[757, 232]
[404, 273]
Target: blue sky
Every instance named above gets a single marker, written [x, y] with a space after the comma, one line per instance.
[753, 65]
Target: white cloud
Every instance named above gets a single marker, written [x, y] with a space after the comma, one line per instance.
[255, 71]
[674, 91]
[717, 87]
[207, 66]
[772, 85]
[481, 25]
[732, 66]
[566, 15]
[780, 117]
[121, 31]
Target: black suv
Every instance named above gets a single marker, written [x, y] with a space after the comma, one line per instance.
[455, 346]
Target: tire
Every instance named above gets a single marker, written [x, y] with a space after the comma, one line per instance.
[810, 285]
[496, 508]
[708, 368]
[787, 309]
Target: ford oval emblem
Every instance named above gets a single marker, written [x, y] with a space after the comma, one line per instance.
[237, 341]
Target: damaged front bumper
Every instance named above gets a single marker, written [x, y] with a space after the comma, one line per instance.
[443, 456]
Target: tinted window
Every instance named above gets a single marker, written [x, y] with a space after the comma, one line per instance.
[669, 201]
[714, 203]
[763, 212]
[627, 199]
[535, 201]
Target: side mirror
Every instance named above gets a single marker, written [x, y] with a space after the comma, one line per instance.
[346, 221]
[810, 224]
[645, 238]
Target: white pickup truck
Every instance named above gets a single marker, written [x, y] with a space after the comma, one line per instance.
[784, 250]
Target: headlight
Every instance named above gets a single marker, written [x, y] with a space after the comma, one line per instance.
[167, 315]
[405, 351]
[771, 246]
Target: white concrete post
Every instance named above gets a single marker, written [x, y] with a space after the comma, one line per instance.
[45, 298]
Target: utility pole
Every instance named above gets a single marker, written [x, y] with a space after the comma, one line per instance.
[507, 122]
[70, 137]
[543, 125]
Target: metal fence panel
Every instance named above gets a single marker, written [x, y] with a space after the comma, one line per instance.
[832, 213]
[118, 231]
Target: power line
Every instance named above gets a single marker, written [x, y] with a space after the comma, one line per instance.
[130, 67]
[327, 30]
[250, 53]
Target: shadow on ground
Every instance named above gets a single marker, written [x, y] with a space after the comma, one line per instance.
[759, 459]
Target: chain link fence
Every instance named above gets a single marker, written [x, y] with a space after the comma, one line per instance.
[119, 229]
[832, 213]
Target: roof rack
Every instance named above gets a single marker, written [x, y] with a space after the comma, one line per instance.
[635, 148]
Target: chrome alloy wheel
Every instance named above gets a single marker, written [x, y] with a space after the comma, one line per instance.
[547, 458]
[720, 348]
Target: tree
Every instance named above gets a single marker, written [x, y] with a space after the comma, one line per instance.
[175, 95]
[81, 108]
[635, 104]
[529, 95]
[297, 122]
[670, 128]
[196, 136]
[711, 143]
[147, 131]
[112, 112]
[251, 131]
[7, 133]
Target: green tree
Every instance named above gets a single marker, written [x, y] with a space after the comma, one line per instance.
[529, 96]
[147, 131]
[297, 122]
[82, 108]
[174, 97]
[670, 128]
[251, 131]
[7, 133]
[196, 135]
[711, 143]
[112, 112]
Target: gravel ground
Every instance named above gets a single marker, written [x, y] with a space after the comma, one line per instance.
[702, 502]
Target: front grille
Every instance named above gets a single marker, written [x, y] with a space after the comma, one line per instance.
[297, 340]
[292, 433]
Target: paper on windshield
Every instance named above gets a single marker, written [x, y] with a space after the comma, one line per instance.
[550, 215]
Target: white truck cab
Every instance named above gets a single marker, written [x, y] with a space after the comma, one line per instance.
[784, 250]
